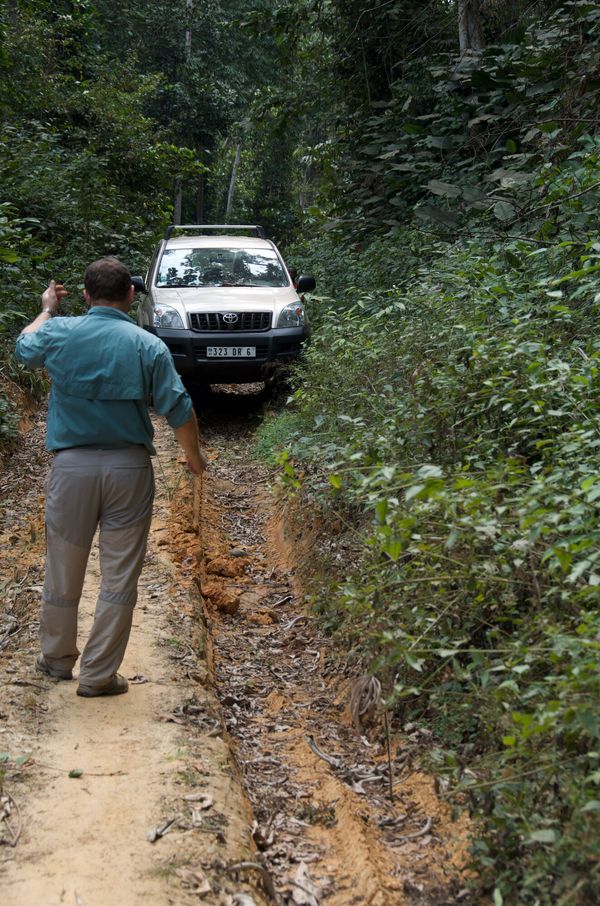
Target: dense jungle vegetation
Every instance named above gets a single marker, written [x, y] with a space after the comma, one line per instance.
[436, 165]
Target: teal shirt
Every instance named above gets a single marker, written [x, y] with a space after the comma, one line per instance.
[105, 371]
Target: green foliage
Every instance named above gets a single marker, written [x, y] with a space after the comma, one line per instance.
[8, 423]
[457, 411]
[86, 167]
[447, 412]
[455, 140]
[274, 436]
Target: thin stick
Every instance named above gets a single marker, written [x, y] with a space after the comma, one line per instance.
[51, 767]
[7, 639]
[331, 761]
[265, 876]
[420, 833]
[514, 777]
[15, 834]
[389, 754]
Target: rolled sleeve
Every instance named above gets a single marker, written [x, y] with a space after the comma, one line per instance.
[170, 398]
[31, 348]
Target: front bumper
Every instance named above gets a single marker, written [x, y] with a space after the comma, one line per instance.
[273, 348]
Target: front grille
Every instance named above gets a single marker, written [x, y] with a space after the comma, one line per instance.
[246, 320]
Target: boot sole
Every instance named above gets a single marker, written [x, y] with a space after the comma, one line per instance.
[91, 692]
[42, 667]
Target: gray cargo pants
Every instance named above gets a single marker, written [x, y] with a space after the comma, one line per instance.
[89, 487]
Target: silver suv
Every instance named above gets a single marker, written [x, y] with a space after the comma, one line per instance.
[224, 303]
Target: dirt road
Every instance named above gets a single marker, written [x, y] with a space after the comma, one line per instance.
[235, 743]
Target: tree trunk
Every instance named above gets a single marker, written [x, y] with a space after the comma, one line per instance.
[470, 32]
[236, 162]
[366, 71]
[13, 13]
[189, 9]
[200, 199]
[177, 201]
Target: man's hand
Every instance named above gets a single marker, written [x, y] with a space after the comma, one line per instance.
[197, 464]
[53, 296]
[51, 299]
[187, 436]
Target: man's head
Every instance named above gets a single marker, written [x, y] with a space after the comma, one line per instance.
[108, 282]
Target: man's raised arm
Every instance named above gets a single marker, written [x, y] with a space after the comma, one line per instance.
[51, 299]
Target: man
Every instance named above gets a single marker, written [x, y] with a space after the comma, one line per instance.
[104, 371]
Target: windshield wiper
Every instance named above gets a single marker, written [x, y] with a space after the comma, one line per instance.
[256, 285]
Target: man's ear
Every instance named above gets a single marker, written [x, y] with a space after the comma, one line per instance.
[87, 297]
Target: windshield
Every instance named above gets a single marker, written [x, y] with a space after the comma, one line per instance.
[220, 267]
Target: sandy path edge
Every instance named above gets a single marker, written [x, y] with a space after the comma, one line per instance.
[84, 839]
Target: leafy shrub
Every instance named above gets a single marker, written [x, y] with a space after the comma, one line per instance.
[460, 139]
[458, 411]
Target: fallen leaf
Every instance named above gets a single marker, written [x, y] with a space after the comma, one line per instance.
[263, 837]
[155, 833]
[171, 719]
[305, 892]
[196, 880]
[197, 813]
[23, 759]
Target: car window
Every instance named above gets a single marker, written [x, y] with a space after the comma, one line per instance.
[220, 267]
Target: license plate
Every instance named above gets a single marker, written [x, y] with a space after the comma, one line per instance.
[231, 352]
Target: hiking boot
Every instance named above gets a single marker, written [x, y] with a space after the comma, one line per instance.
[117, 685]
[57, 672]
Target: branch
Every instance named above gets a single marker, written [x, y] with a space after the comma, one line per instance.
[549, 204]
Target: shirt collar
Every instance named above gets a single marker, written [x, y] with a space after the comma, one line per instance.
[105, 311]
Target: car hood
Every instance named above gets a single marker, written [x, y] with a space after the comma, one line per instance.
[227, 298]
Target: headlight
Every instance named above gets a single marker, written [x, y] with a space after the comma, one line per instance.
[165, 316]
[292, 316]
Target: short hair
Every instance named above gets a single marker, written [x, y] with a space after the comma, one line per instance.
[107, 279]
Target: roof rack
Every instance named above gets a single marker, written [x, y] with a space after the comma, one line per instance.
[260, 231]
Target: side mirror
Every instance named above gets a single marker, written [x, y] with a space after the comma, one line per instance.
[139, 283]
[306, 284]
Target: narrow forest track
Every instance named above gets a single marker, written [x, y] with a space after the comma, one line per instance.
[142, 760]
[320, 789]
[236, 727]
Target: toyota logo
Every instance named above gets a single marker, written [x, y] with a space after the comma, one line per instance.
[230, 317]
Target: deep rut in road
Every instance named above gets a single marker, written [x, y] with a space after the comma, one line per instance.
[231, 774]
[324, 823]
